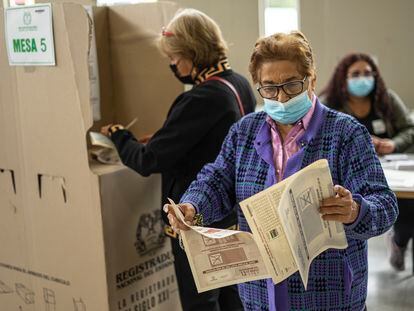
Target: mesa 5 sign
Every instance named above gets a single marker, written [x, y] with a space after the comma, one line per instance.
[29, 35]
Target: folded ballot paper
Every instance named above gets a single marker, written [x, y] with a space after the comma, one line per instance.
[288, 232]
[100, 140]
[106, 153]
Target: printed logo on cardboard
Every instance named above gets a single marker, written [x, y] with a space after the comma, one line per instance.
[150, 235]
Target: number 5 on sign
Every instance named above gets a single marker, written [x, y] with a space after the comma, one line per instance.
[29, 35]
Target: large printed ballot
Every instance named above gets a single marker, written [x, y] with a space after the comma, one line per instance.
[288, 232]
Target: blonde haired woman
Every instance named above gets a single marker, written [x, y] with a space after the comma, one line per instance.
[266, 147]
[193, 132]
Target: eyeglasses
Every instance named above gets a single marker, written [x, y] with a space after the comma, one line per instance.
[290, 88]
[364, 73]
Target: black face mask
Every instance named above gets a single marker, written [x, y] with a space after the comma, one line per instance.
[185, 79]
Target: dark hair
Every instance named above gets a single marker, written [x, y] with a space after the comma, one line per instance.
[336, 92]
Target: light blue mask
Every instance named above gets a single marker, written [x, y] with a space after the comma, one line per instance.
[290, 111]
[361, 86]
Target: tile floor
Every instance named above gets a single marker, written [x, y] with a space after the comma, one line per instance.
[388, 290]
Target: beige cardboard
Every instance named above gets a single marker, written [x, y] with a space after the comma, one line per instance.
[139, 249]
[63, 225]
[105, 72]
[143, 84]
[59, 240]
[12, 239]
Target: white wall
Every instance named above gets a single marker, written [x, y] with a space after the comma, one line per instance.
[383, 28]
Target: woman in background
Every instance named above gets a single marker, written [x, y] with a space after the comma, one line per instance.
[357, 88]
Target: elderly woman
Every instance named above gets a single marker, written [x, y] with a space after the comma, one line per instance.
[193, 132]
[265, 147]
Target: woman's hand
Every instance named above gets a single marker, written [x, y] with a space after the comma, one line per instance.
[188, 211]
[383, 145]
[105, 129]
[341, 207]
[109, 129]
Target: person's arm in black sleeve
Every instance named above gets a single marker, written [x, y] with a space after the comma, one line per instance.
[190, 118]
[132, 153]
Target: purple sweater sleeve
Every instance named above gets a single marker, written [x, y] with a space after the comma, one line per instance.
[363, 176]
[213, 192]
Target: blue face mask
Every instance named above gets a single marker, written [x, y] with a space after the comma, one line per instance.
[360, 86]
[290, 111]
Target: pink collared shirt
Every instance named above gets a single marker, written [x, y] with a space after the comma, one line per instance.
[282, 151]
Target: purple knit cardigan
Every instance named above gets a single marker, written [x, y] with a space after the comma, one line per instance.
[337, 278]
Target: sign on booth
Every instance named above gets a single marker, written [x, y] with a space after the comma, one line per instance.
[29, 35]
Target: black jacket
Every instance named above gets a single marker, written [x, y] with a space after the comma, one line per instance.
[196, 126]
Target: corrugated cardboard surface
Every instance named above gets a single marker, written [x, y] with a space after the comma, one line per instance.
[143, 84]
[138, 248]
[61, 238]
[50, 237]
[101, 23]
[53, 235]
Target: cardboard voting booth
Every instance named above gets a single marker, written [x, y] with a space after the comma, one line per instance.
[77, 235]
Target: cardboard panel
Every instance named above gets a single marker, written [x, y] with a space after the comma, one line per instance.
[143, 84]
[104, 60]
[53, 254]
[14, 253]
[7, 187]
[140, 257]
[12, 239]
[61, 241]
[10, 128]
